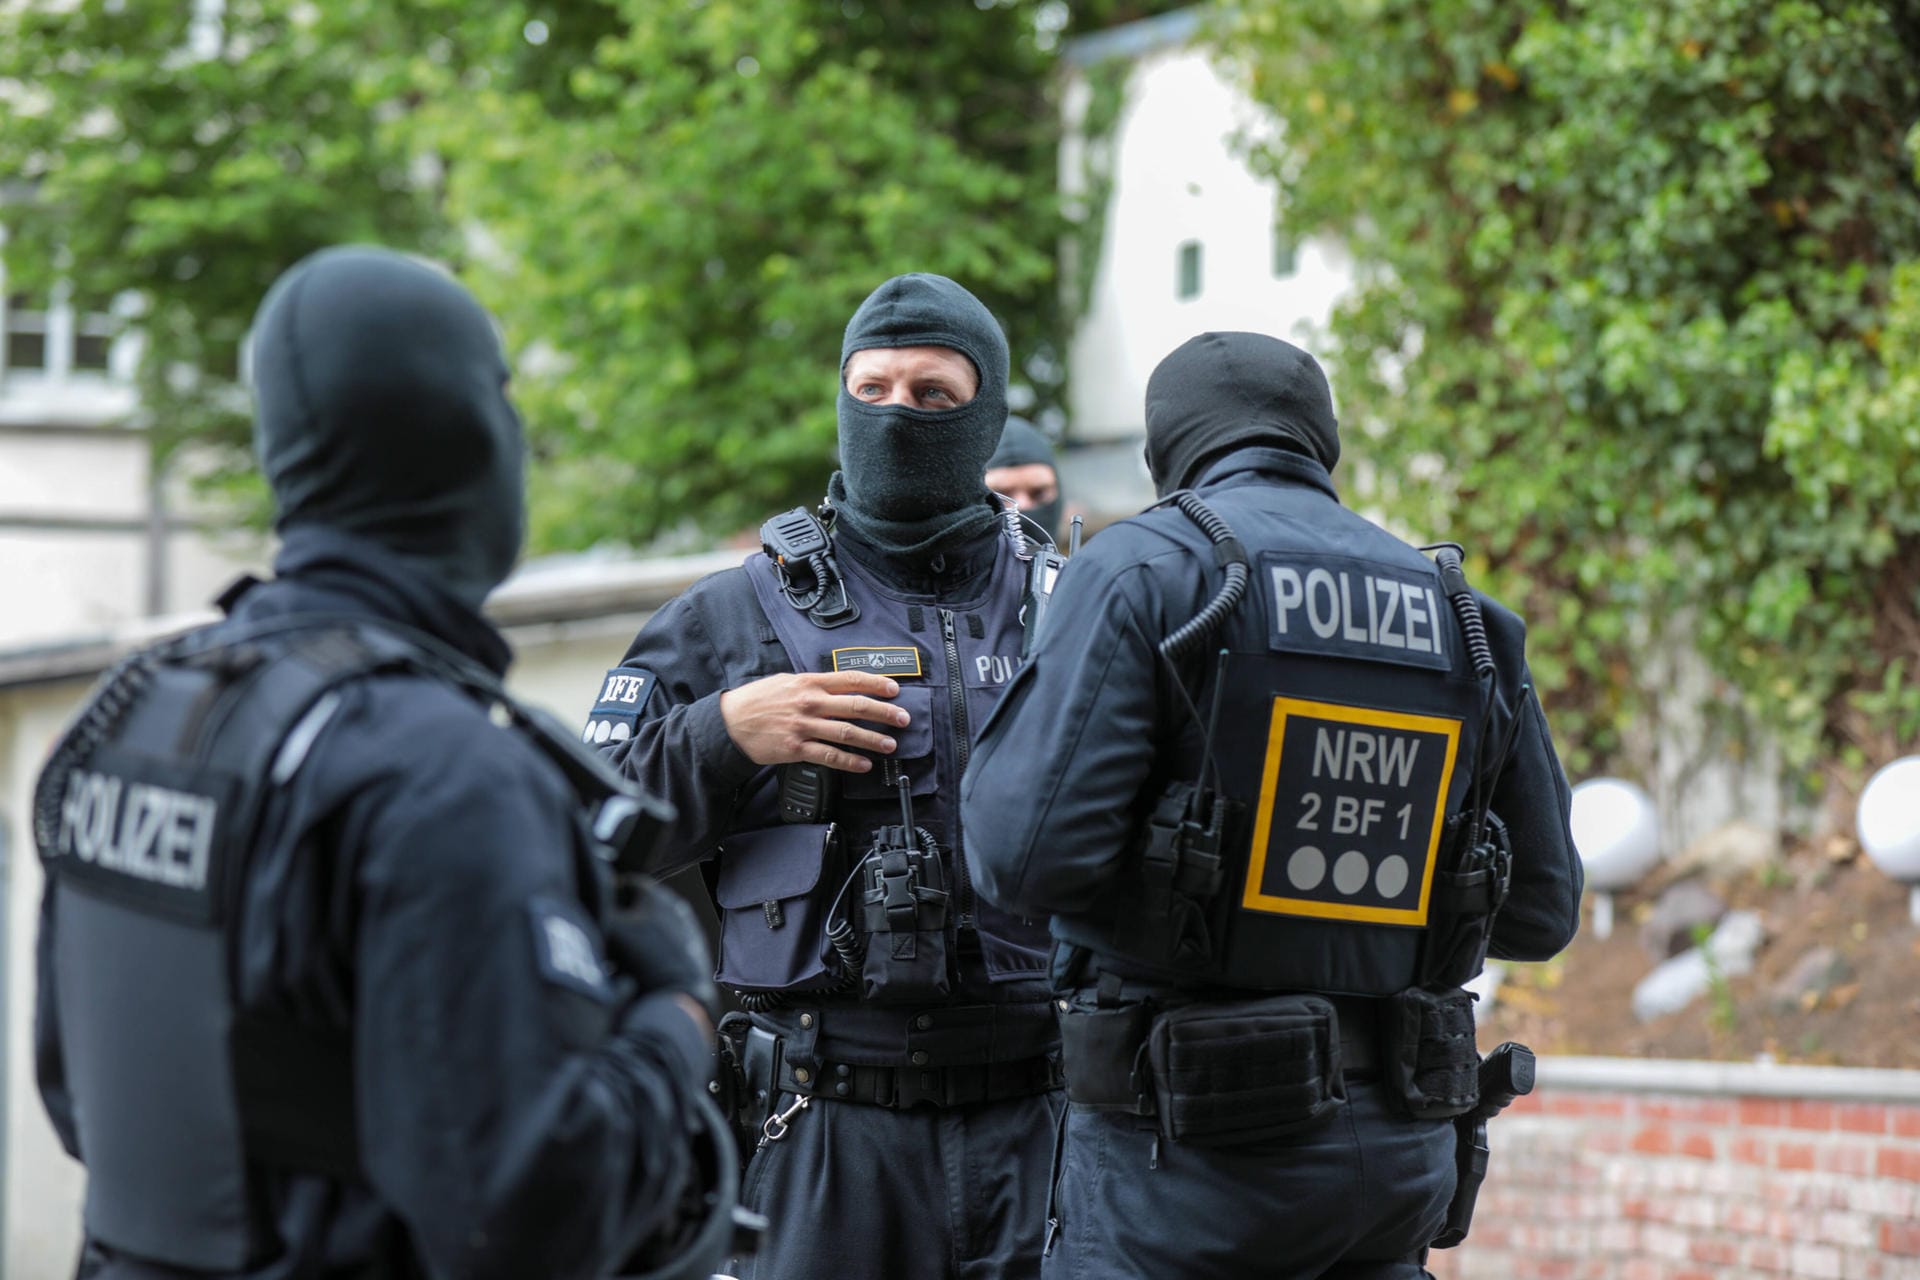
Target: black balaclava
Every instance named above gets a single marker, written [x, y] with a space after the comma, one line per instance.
[1222, 391]
[381, 410]
[909, 480]
[1022, 445]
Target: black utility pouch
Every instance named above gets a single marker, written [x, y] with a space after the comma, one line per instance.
[1232, 1073]
[1431, 1066]
[1101, 1051]
[1466, 895]
[903, 909]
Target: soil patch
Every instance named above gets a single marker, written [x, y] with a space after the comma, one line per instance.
[1820, 895]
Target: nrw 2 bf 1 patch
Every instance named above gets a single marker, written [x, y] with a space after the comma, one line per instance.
[1352, 807]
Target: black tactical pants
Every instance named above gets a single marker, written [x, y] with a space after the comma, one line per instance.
[860, 1192]
[1356, 1197]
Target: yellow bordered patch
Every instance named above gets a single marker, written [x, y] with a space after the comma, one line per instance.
[1353, 801]
[880, 660]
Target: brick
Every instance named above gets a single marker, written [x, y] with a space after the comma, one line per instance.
[1901, 1238]
[1697, 1145]
[1751, 1151]
[1855, 1159]
[1655, 1140]
[1854, 1230]
[1723, 1252]
[1761, 1256]
[1861, 1117]
[1816, 1261]
[1898, 1162]
[1809, 1115]
[1762, 1111]
[1904, 1122]
[1795, 1155]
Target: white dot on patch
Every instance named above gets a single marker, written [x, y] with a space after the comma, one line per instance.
[1391, 877]
[1306, 868]
[602, 731]
[586, 734]
[1350, 872]
[621, 732]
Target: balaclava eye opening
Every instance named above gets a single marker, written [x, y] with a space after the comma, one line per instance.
[910, 479]
[1222, 391]
[381, 411]
[1022, 445]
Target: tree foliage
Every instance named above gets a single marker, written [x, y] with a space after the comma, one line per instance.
[1639, 322]
[673, 205]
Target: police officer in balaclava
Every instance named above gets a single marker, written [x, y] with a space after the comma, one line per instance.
[345, 994]
[1022, 470]
[809, 713]
[1265, 914]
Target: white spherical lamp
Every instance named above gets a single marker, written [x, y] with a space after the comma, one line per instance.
[1617, 832]
[1888, 821]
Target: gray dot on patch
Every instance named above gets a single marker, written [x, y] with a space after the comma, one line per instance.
[1391, 876]
[1306, 868]
[1350, 872]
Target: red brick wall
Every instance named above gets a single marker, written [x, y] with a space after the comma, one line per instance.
[1606, 1185]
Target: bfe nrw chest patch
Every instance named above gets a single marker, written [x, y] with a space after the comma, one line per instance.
[1352, 808]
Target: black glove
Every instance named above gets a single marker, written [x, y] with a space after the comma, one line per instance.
[654, 938]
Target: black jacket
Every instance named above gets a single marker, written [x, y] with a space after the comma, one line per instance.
[510, 1124]
[1067, 767]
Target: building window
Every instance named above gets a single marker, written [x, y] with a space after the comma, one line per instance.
[1286, 253]
[1188, 284]
[26, 335]
[92, 341]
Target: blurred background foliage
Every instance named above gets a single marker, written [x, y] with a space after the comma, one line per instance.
[1639, 323]
[673, 205]
[1638, 314]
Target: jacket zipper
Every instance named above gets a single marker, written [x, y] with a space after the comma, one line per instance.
[963, 748]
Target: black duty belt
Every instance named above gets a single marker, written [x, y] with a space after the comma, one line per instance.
[952, 1086]
[1109, 1061]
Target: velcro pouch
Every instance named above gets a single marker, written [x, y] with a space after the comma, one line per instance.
[1239, 1072]
[772, 913]
[903, 909]
[1432, 1066]
[1101, 1050]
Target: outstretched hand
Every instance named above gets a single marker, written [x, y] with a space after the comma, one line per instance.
[786, 718]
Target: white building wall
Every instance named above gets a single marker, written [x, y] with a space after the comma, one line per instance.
[1177, 178]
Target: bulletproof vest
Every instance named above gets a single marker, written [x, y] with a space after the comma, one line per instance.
[145, 819]
[951, 663]
[1348, 721]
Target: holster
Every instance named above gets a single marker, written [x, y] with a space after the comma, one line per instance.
[1104, 1055]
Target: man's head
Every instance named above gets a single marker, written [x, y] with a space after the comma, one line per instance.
[381, 411]
[923, 398]
[1022, 469]
[1223, 391]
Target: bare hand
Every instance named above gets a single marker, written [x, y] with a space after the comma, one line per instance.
[780, 719]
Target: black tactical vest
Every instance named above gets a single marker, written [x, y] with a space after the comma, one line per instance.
[145, 819]
[778, 884]
[1348, 725]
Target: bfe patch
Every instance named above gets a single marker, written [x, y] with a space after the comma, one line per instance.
[624, 695]
[1352, 806]
[896, 660]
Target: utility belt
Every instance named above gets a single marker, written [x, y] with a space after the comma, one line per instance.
[1241, 1069]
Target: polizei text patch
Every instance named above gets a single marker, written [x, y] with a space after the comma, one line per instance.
[1352, 806]
[1356, 609]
